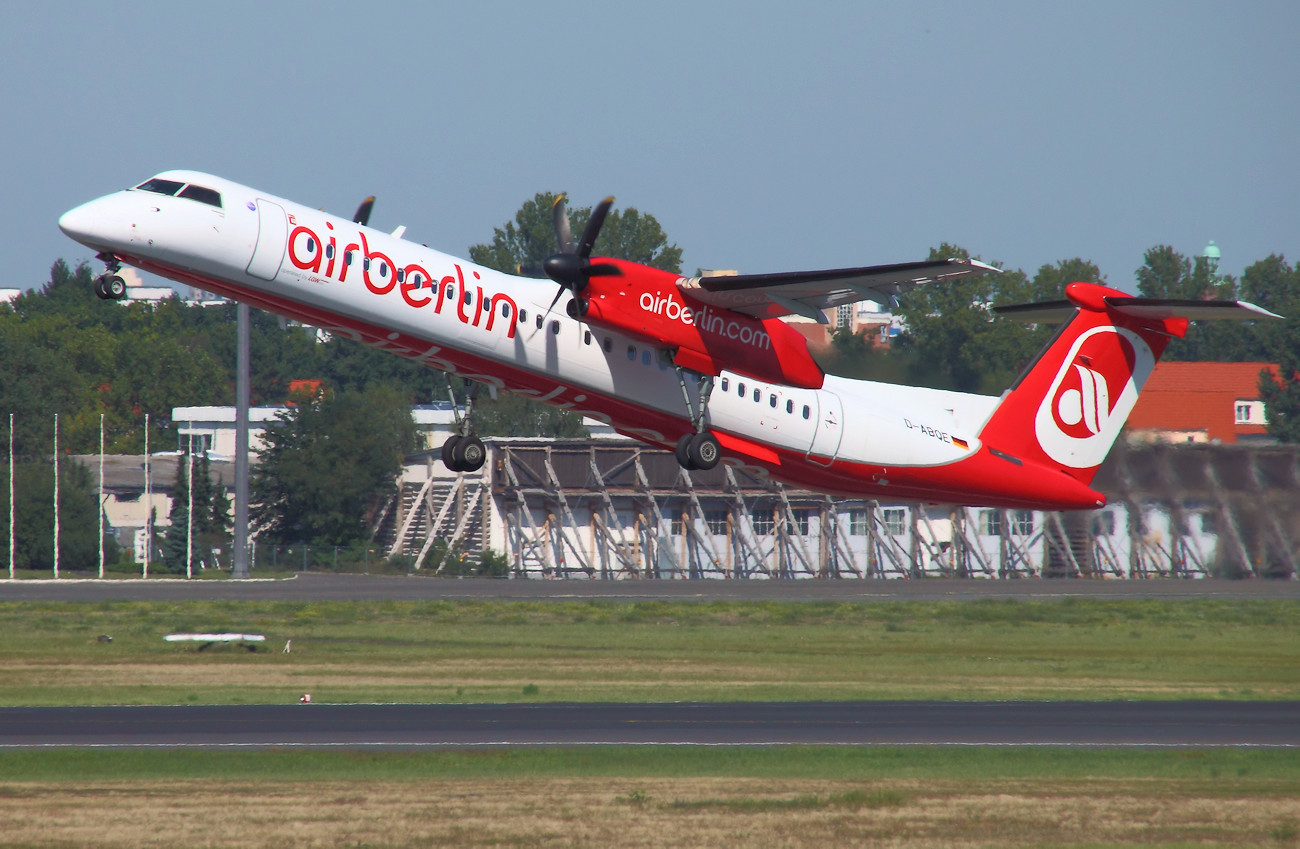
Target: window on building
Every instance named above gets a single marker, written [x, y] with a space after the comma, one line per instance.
[764, 523]
[859, 523]
[1022, 522]
[800, 524]
[716, 521]
[1209, 524]
[895, 520]
[991, 523]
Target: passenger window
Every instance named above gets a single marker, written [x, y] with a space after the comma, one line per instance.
[806, 411]
[468, 297]
[772, 402]
[740, 389]
[631, 353]
[160, 187]
[202, 195]
[365, 263]
[789, 406]
[645, 357]
[586, 337]
[451, 292]
[505, 310]
[329, 252]
[539, 321]
[487, 305]
[724, 384]
[401, 275]
[609, 345]
[311, 245]
[523, 314]
[758, 395]
[555, 328]
[347, 257]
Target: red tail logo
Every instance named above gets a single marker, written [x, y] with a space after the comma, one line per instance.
[1091, 395]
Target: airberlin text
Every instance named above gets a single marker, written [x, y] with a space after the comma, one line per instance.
[308, 252]
[706, 320]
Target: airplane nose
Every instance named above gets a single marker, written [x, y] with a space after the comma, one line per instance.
[78, 223]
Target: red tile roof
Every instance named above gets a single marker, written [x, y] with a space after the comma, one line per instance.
[1198, 396]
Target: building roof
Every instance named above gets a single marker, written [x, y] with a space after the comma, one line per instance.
[1187, 397]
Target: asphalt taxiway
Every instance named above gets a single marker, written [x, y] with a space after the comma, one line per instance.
[1178, 724]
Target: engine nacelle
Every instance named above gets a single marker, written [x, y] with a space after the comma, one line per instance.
[645, 303]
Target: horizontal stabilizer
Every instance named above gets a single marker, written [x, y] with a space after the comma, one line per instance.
[1149, 308]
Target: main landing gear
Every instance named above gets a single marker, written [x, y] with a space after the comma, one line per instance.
[698, 450]
[108, 286]
[463, 451]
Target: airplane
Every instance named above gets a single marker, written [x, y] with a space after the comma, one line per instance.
[702, 366]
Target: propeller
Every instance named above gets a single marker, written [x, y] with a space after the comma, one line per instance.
[572, 267]
[362, 215]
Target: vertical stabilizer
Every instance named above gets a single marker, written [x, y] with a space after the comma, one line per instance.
[1069, 406]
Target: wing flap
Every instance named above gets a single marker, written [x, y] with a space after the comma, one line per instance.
[807, 292]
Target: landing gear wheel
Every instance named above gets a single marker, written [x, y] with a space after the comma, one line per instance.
[449, 451]
[469, 454]
[110, 287]
[704, 451]
[698, 451]
[683, 452]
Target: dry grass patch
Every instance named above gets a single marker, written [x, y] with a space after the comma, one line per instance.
[646, 812]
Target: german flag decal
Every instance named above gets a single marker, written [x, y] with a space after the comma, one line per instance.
[960, 443]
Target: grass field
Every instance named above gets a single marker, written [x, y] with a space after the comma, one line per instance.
[652, 796]
[650, 651]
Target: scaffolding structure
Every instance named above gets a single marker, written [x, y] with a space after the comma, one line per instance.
[605, 509]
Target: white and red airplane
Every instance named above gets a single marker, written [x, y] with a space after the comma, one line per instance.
[704, 366]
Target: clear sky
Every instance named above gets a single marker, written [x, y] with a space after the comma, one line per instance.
[764, 136]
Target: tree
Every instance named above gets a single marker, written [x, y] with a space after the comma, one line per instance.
[34, 517]
[530, 238]
[327, 465]
[1275, 285]
[211, 525]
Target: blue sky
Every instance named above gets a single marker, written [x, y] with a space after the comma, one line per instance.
[764, 136]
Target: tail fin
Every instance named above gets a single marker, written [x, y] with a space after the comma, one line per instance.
[1068, 407]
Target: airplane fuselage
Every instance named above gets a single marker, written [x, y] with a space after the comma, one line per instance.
[850, 437]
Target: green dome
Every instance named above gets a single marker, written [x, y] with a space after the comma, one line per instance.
[1211, 251]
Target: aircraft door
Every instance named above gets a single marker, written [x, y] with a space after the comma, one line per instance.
[272, 239]
[829, 428]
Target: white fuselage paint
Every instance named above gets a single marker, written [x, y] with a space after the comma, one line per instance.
[252, 242]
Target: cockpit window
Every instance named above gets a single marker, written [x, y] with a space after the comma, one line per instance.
[203, 195]
[160, 186]
[188, 191]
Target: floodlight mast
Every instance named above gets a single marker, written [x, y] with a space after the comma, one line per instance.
[240, 569]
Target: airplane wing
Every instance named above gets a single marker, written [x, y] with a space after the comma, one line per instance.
[807, 293]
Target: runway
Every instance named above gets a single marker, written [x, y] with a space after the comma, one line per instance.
[328, 587]
[1177, 724]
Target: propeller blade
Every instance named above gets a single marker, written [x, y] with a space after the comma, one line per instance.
[559, 290]
[362, 215]
[593, 227]
[560, 217]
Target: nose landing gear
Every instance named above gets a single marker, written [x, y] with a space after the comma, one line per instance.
[108, 286]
